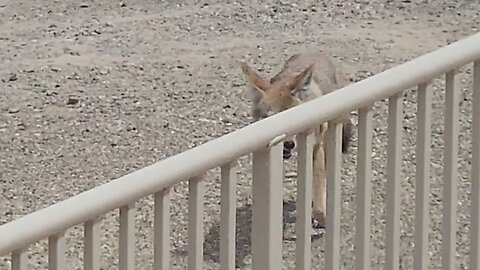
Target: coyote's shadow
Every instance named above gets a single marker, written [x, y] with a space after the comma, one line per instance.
[243, 234]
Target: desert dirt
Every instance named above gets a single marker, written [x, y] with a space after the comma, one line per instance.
[91, 91]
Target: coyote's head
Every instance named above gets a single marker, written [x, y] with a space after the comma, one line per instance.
[279, 95]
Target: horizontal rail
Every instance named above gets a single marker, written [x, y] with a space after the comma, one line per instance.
[167, 172]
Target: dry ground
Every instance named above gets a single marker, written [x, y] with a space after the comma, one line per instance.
[91, 91]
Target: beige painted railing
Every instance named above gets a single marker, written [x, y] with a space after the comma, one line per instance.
[260, 138]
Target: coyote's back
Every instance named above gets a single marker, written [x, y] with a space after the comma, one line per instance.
[325, 74]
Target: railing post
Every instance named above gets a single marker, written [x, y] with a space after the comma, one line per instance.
[334, 207]
[449, 221]
[475, 197]
[196, 191]
[162, 230]
[127, 237]
[303, 225]
[56, 252]
[92, 245]
[20, 259]
[422, 192]
[364, 189]
[228, 200]
[394, 164]
[267, 216]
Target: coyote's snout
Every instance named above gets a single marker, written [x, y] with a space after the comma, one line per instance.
[303, 77]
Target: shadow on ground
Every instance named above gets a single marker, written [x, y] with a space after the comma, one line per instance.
[243, 234]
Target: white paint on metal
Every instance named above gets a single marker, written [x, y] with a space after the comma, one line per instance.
[56, 252]
[267, 216]
[162, 230]
[127, 237]
[228, 201]
[20, 259]
[334, 206]
[449, 221]
[394, 169]
[196, 192]
[91, 251]
[364, 189]
[303, 224]
[422, 192]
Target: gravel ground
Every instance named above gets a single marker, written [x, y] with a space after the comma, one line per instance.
[91, 91]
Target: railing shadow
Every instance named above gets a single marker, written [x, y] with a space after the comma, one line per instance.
[243, 234]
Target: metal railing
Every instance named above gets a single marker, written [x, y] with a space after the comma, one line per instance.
[259, 139]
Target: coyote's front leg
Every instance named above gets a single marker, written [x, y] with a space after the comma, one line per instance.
[319, 185]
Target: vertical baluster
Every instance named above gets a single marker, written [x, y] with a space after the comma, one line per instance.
[422, 193]
[56, 252]
[334, 207]
[227, 218]
[20, 259]
[449, 220]
[267, 216]
[196, 191]
[394, 165]
[364, 189]
[475, 197]
[91, 252]
[303, 227]
[162, 230]
[127, 237]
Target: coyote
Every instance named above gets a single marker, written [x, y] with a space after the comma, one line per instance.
[304, 76]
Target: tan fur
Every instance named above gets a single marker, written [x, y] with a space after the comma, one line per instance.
[303, 77]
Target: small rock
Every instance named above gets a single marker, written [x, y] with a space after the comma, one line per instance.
[237, 84]
[13, 77]
[72, 101]
[13, 110]
[290, 175]
[84, 5]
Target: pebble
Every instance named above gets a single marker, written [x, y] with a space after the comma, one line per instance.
[13, 77]
[13, 110]
[72, 101]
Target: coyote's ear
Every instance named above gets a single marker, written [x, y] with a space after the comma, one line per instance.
[302, 80]
[258, 82]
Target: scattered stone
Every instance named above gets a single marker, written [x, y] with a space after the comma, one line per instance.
[13, 110]
[291, 175]
[13, 77]
[72, 101]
